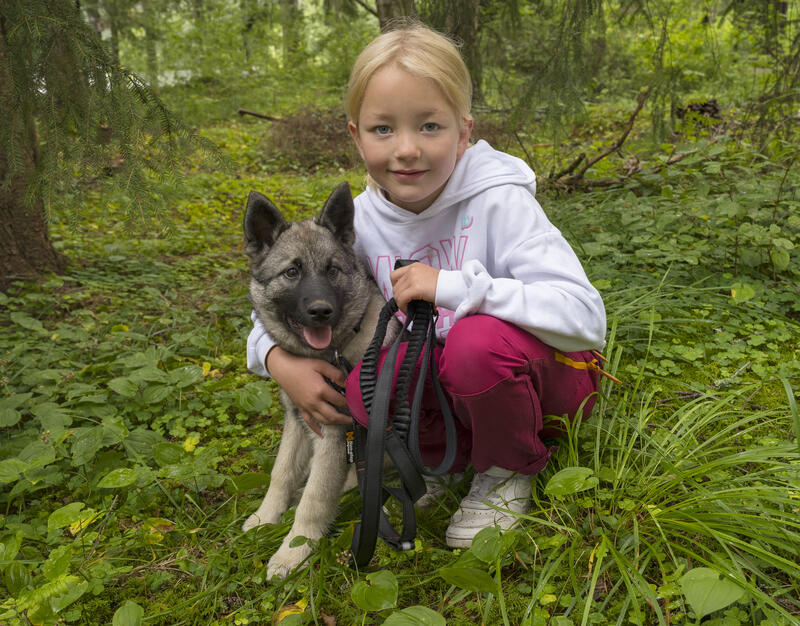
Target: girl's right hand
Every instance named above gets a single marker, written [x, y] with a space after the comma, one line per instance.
[303, 380]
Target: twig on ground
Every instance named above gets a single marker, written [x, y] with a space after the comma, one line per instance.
[263, 116]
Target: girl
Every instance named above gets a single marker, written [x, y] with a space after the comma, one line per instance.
[517, 315]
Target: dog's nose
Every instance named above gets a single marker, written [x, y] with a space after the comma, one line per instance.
[320, 311]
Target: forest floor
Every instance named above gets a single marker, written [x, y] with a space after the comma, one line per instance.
[135, 442]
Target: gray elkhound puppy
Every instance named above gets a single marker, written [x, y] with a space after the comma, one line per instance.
[316, 299]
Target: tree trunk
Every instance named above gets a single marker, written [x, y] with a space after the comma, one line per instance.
[290, 25]
[389, 10]
[25, 247]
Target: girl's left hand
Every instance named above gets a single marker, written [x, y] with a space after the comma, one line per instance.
[414, 282]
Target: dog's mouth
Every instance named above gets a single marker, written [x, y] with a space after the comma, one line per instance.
[318, 337]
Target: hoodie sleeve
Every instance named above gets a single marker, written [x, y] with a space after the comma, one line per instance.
[259, 343]
[531, 278]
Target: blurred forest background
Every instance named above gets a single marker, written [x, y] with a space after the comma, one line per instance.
[133, 441]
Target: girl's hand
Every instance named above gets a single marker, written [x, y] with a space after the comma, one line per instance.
[414, 282]
[303, 380]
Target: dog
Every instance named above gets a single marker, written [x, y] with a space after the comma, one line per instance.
[315, 299]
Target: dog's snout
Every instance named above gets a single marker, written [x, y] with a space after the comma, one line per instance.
[320, 310]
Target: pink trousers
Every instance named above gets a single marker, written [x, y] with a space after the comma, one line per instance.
[501, 382]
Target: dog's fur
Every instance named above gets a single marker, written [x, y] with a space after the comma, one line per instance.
[308, 287]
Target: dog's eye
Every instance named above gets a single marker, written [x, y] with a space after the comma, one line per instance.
[333, 272]
[291, 273]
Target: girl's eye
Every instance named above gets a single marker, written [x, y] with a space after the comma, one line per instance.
[430, 127]
[382, 129]
[291, 273]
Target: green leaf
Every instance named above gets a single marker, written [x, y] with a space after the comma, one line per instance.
[780, 258]
[129, 614]
[169, 454]
[75, 588]
[254, 398]
[114, 430]
[52, 417]
[124, 386]
[15, 401]
[185, 376]
[9, 546]
[9, 417]
[415, 616]
[469, 578]
[246, 482]
[706, 591]
[571, 480]
[377, 592]
[66, 515]
[86, 445]
[742, 292]
[57, 562]
[141, 441]
[10, 470]
[487, 544]
[155, 393]
[119, 478]
[37, 454]
[26, 321]
[16, 577]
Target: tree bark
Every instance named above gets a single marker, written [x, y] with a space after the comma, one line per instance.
[25, 248]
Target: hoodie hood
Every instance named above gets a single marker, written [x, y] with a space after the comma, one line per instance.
[481, 167]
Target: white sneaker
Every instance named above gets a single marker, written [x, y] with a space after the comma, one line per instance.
[437, 487]
[496, 487]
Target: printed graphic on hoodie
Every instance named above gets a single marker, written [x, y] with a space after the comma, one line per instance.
[446, 254]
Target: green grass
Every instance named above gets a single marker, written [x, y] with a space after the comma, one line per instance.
[133, 442]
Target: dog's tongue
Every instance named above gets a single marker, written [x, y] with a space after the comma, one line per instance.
[317, 337]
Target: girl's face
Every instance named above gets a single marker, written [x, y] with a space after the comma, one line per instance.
[409, 136]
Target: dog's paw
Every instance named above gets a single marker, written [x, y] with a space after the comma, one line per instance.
[259, 518]
[286, 559]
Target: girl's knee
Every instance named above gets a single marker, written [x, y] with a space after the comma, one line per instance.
[479, 352]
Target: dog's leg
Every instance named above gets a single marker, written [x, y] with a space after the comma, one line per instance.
[290, 469]
[319, 502]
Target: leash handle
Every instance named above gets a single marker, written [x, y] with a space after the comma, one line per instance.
[400, 438]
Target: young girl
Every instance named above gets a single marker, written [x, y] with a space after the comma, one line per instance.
[517, 315]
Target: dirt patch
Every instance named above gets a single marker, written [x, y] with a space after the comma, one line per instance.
[312, 139]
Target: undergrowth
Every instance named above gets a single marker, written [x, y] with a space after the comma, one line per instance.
[134, 442]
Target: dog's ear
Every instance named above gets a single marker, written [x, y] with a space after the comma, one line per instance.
[337, 214]
[263, 223]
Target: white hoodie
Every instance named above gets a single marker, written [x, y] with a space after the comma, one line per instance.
[498, 254]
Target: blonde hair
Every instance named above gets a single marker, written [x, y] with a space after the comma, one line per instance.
[422, 52]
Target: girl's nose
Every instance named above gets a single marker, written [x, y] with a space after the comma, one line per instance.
[406, 146]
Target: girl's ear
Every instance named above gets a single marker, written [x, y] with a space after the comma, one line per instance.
[354, 134]
[464, 135]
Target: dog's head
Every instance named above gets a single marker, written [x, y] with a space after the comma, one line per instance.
[304, 275]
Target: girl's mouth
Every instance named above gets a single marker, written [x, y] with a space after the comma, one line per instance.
[407, 174]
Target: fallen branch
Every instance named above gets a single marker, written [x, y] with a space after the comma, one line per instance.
[263, 116]
[565, 178]
[571, 167]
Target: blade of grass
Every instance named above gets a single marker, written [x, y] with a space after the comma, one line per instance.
[793, 408]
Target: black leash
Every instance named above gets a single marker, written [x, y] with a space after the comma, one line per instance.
[398, 437]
